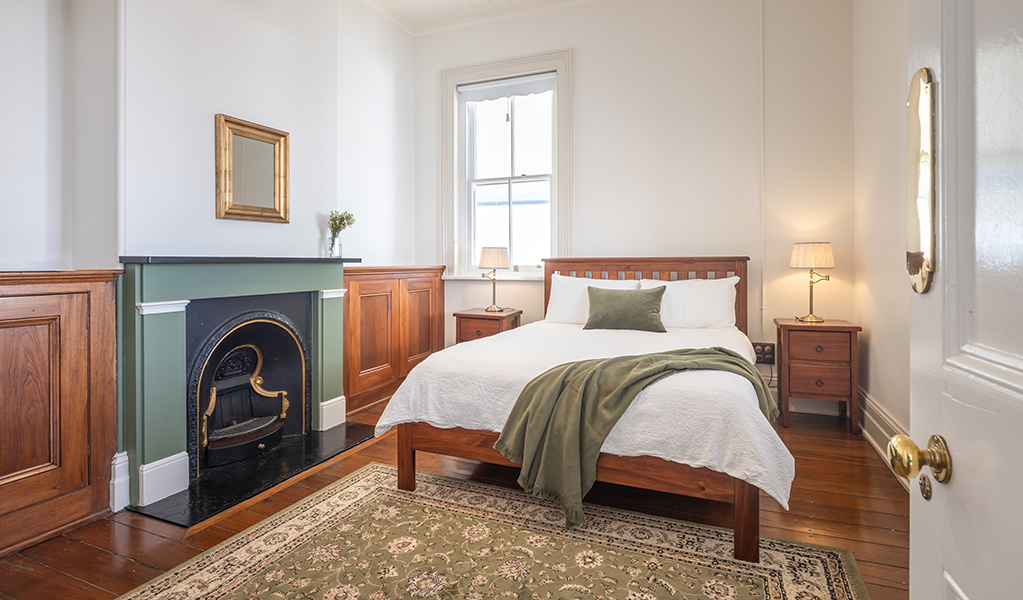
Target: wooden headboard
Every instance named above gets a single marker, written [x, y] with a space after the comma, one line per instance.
[663, 268]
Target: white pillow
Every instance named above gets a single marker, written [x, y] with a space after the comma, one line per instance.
[696, 303]
[570, 303]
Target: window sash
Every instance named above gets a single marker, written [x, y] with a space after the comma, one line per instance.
[453, 240]
[467, 104]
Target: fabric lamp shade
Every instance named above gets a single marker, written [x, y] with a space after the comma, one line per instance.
[494, 258]
[812, 255]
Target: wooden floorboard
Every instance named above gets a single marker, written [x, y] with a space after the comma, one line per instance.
[843, 496]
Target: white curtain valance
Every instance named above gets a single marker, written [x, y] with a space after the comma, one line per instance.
[503, 88]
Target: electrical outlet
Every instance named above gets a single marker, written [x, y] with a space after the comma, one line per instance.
[764, 352]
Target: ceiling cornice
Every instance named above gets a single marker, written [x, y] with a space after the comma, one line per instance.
[384, 7]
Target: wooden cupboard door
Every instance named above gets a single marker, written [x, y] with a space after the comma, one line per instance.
[421, 311]
[44, 398]
[375, 322]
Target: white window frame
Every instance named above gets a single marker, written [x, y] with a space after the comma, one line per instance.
[455, 224]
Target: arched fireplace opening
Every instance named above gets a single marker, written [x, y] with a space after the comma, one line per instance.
[248, 389]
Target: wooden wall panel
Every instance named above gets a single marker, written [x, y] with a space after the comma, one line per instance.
[383, 342]
[28, 395]
[57, 401]
[372, 357]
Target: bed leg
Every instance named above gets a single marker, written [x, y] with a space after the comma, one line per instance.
[747, 521]
[406, 458]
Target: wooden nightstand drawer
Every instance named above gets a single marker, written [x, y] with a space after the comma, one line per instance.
[819, 345]
[818, 379]
[477, 323]
[471, 329]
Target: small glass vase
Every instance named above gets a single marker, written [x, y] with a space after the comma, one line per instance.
[334, 251]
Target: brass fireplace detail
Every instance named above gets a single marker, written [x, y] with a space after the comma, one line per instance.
[250, 426]
[242, 418]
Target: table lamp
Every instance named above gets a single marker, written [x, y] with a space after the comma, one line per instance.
[812, 255]
[493, 259]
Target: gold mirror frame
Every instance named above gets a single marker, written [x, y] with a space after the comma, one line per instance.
[231, 207]
[920, 181]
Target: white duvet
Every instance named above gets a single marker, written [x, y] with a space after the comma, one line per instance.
[699, 418]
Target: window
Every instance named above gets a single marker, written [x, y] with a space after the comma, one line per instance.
[505, 136]
[508, 147]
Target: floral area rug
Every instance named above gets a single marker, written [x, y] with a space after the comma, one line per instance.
[362, 537]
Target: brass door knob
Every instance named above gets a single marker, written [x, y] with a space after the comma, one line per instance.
[907, 458]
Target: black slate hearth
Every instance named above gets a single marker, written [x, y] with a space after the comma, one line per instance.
[219, 488]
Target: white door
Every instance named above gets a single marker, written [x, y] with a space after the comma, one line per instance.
[966, 350]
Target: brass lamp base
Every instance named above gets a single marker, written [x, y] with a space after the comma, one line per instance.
[812, 318]
[494, 308]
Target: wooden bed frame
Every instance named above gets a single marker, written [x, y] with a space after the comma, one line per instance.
[646, 472]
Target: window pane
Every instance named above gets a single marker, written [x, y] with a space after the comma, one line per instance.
[534, 134]
[531, 222]
[490, 208]
[493, 139]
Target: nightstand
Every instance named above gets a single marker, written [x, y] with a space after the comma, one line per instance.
[477, 323]
[818, 360]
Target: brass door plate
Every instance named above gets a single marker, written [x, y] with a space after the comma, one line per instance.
[925, 487]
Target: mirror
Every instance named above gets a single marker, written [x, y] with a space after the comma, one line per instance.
[252, 171]
[920, 181]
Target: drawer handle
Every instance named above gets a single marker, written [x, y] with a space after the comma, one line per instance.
[478, 333]
[820, 348]
[820, 383]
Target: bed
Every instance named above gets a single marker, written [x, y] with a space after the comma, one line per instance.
[455, 402]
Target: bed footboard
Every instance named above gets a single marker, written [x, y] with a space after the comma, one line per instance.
[637, 471]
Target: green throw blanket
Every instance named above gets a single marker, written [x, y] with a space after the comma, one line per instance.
[562, 417]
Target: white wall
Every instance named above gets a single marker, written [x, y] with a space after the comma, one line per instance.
[375, 135]
[273, 63]
[94, 242]
[808, 153]
[34, 202]
[668, 122]
[882, 289]
[333, 73]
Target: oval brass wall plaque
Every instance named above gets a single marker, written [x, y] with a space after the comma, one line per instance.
[920, 181]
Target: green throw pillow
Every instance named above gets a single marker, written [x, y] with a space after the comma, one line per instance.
[625, 309]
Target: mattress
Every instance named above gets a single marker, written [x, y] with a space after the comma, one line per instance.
[699, 418]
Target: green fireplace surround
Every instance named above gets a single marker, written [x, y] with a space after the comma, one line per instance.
[152, 374]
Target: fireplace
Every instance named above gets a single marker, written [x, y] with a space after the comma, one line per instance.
[248, 385]
[231, 377]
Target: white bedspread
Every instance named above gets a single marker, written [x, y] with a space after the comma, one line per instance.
[699, 418]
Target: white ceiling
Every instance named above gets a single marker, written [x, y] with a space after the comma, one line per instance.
[421, 17]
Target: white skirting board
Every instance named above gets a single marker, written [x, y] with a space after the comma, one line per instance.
[879, 426]
[332, 413]
[119, 488]
[162, 478]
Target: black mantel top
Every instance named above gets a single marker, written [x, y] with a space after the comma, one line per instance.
[180, 260]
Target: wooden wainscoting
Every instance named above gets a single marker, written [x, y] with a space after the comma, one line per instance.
[58, 401]
[394, 319]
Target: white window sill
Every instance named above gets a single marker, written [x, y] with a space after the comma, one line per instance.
[500, 277]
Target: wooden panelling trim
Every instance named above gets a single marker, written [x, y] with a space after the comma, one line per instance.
[45, 277]
[412, 271]
[52, 533]
[46, 519]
